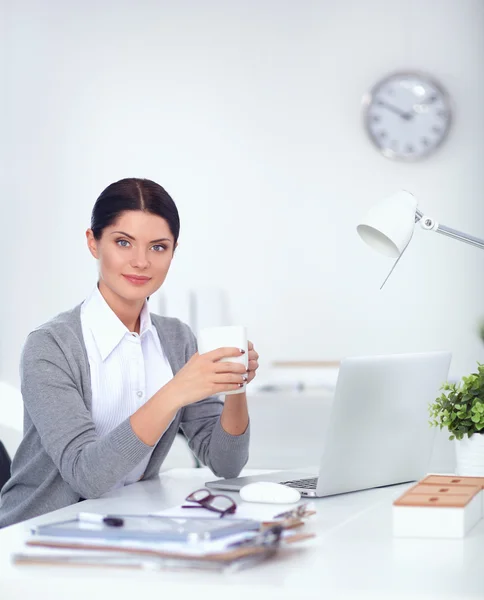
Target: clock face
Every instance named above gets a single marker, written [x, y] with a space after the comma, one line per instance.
[407, 115]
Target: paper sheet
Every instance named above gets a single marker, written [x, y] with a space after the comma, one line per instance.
[245, 510]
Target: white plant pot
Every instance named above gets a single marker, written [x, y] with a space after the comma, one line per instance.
[470, 456]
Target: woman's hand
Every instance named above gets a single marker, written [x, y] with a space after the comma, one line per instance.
[253, 362]
[203, 375]
[235, 415]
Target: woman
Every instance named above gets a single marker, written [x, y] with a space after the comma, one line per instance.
[106, 385]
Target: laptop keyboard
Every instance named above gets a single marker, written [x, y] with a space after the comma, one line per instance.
[309, 484]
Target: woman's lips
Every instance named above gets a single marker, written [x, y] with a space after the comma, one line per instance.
[137, 280]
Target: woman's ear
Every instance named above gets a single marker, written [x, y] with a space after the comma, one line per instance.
[174, 248]
[91, 243]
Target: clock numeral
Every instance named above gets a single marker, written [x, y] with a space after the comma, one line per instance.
[442, 114]
[375, 118]
[382, 135]
[425, 141]
[436, 129]
[410, 149]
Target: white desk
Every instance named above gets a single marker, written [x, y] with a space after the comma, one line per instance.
[353, 556]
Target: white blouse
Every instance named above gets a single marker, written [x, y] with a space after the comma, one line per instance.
[127, 369]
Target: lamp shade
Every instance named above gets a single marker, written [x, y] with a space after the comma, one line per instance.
[388, 226]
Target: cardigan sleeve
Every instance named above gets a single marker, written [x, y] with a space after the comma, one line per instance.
[223, 453]
[90, 464]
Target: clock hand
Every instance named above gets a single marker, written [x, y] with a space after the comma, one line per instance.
[405, 115]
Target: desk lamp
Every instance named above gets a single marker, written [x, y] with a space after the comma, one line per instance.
[388, 226]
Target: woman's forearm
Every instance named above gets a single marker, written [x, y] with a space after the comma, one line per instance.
[235, 414]
[151, 420]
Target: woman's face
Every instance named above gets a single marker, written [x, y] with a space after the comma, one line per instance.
[139, 245]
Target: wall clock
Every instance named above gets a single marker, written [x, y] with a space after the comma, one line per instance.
[407, 115]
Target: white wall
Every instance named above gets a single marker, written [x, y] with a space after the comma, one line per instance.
[249, 114]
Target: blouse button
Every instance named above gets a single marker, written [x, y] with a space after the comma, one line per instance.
[139, 394]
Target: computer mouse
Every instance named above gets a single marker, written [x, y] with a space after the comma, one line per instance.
[269, 492]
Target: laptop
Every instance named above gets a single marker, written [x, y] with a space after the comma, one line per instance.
[378, 431]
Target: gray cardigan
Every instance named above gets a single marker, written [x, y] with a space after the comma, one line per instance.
[61, 459]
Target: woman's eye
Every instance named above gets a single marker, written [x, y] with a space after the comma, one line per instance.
[159, 248]
[122, 243]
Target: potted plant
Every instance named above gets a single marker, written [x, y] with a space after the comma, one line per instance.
[460, 409]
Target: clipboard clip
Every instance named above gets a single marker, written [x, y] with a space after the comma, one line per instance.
[268, 537]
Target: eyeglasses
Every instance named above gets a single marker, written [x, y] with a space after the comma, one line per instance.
[219, 503]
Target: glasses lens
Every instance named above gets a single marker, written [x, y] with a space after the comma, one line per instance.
[221, 503]
[198, 496]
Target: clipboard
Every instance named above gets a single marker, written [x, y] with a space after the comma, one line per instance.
[143, 559]
[251, 546]
[148, 528]
[81, 554]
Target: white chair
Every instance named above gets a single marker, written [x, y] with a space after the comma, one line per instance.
[11, 417]
[10, 438]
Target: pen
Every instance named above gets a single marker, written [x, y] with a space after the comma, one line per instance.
[105, 519]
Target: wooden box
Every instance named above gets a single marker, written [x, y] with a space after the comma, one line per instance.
[455, 480]
[438, 508]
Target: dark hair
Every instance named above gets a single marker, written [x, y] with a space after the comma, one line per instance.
[133, 194]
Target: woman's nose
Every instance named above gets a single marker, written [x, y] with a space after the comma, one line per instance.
[140, 260]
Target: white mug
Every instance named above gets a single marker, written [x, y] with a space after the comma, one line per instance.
[231, 336]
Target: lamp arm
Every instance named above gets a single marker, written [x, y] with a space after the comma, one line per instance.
[428, 223]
